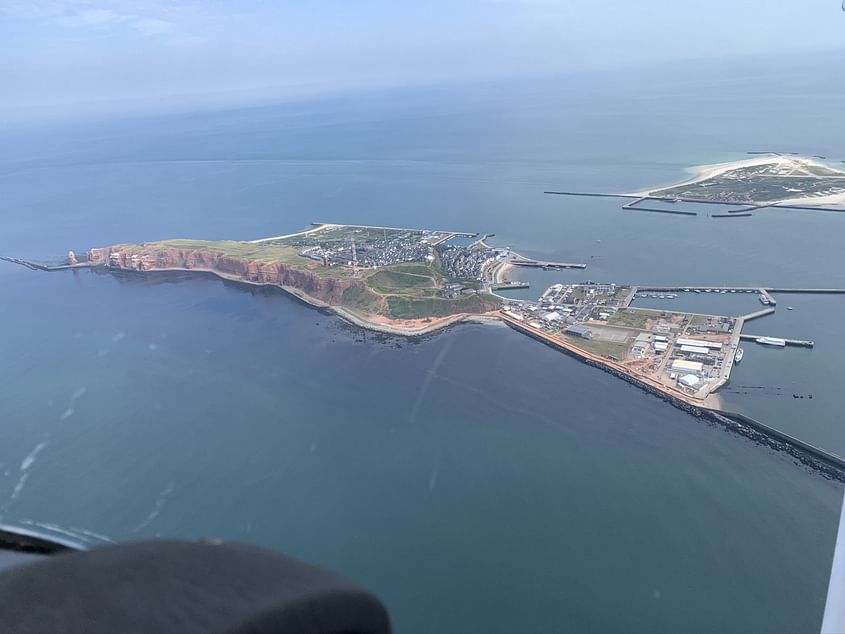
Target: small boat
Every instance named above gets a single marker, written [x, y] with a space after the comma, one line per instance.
[789, 308]
[739, 354]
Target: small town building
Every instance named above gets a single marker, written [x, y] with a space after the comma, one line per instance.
[580, 330]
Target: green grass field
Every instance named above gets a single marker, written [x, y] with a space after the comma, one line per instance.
[633, 318]
[401, 307]
[392, 281]
[597, 346]
[267, 253]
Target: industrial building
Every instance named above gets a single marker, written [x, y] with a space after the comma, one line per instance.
[695, 349]
[689, 380]
[580, 331]
[698, 342]
[681, 365]
[641, 344]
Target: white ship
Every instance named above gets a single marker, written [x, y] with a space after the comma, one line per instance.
[739, 354]
[772, 341]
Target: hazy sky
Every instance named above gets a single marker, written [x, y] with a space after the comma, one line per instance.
[142, 51]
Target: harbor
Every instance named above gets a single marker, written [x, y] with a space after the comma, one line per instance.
[687, 354]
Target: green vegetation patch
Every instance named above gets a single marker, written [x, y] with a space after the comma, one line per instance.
[633, 318]
[264, 252]
[702, 320]
[599, 346]
[417, 308]
[360, 297]
[329, 236]
[419, 268]
[387, 281]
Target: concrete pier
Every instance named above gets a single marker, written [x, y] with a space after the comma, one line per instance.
[509, 285]
[759, 313]
[741, 289]
[676, 212]
[822, 291]
[546, 265]
[772, 301]
[698, 201]
[801, 343]
[35, 266]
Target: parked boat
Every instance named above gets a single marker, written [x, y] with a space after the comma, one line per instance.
[739, 354]
[772, 341]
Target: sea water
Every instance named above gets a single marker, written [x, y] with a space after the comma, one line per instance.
[477, 480]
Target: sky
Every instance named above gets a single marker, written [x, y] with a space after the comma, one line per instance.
[90, 54]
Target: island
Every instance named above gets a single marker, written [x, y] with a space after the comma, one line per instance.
[412, 282]
[778, 179]
[739, 188]
[394, 280]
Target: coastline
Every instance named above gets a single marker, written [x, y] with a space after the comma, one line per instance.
[703, 172]
[829, 465]
[394, 328]
[501, 272]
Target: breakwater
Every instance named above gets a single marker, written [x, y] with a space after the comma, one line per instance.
[828, 464]
[814, 457]
[36, 266]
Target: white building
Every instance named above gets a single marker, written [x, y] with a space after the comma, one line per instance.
[689, 380]
[698, 342]
[681, 365]
[696, 349]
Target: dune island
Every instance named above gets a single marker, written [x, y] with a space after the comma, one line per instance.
[738, 189]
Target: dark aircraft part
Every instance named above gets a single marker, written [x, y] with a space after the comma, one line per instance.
[172, 586]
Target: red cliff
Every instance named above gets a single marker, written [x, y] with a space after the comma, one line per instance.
[160, 257]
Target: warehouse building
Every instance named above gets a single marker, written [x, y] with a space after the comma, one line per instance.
[698, 342]
[580, 331]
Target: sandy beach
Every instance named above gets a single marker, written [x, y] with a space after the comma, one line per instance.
[298, 233]
[501, 274]
[835, 200]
